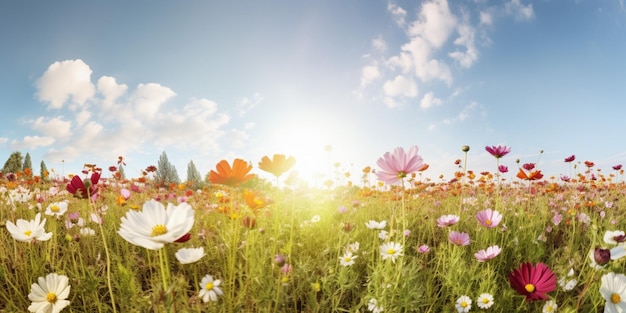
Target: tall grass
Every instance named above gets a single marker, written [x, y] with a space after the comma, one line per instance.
[311, 229]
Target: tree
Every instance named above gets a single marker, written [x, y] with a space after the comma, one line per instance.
[43, 171]
[120, 169]
[28, 164]
[166, 172]
[13, 163]
[193, 175]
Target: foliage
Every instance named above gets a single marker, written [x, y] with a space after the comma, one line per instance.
[166, 172]
[28, 164]
[193, 175]
[14, 163]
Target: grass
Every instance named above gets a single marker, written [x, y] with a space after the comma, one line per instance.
[311, 228]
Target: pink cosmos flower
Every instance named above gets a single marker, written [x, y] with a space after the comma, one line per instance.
[489, 218]
[533, 281]
[423, 249]
[397, 165]
[459, 239]
[447, 220]
[487, 254]
[503, 169]
[498, 151]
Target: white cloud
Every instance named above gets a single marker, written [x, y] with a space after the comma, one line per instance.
[55, 127]
[111, 91]
[486, 18]
[466, 39]
[379, 44]
[429, 100]
[82, 117]
[400, 86]
[520, 11]
[32, 142]
[246, 104]
[435, 23]
[398, 13]
[148, 99]
[369, 73]
[63, 81]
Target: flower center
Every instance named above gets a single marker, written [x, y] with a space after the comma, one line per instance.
[401, 174]
[347, 259]
[55, 209]
[530, 287]
[158, 230]
[51, 297]
[463, 304]
[485, 300]
[208, 286]
[615, 298]
[28, 232]
[488, 222]
[391, 251]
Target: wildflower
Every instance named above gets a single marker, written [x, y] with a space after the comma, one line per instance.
[570, 159]
[600, 257]
[189, 255]
[569, 284]
[29, 231]
[316, 287]
[373, 306]
[390, 250]
[278, 165]
[484, 301]
[459, 239]
[279, 259]
[49, 294]
[231, 176]
[617, 167]
[210, 289]
[398, 165]
[531, 175]
[447, 220]
[489, 218]
[353, 247]
[84, 189]
[503, 169]
[86, 231]
[376, 225]
[56, 208]
[487, 254]
[423, 249]
[533, 282]
[613, 290]
[383, 235]
[347, 259]
[498, 151]
[614, 237]
[156, 225]
[549, 307]
[406, 233]
[463, 304]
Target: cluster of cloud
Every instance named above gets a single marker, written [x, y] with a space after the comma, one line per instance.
[107, 119]
[435, 40]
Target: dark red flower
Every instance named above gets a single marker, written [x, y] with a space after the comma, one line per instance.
[617, 167]
[184, 238]
[533, 282]
[528, 166]
[84, 189]
[570, 158]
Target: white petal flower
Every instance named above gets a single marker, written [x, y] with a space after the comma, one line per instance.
[29, 231]
[613, 290]
[156, 225]
[210, 289]
[189, 255]
[347, 259]
[56, 208]
[391, 250]
[376, 225]
[49, 294]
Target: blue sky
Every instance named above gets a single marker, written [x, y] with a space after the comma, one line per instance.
[84, 82]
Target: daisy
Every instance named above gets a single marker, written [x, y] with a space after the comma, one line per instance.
[347, 259]
[484, 301]
[376, 225]
[463, 304]
[459, 239]
[549, 307]
[210, 289]
[447, 220]
[56, 208]
[489, 218]
[390, 250]
[487, 254]
[613, 290]
[398, 165]
[189, 255]
[533, 281]
[49, 294]
[156, 225]
[29, 231]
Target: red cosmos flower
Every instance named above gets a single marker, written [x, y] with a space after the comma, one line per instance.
[533, 282]
[498, 151]
[570, 158]
[617, 167]
[528, 166]
[84, 189]
[589, 164]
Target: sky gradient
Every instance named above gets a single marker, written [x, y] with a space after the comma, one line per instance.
[86, 82]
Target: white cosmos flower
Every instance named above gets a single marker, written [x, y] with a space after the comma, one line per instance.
[613, 290]
[156, 225]
[210, 289]
[29, 231]
[376, 225]
[49, 294]
[189, 255]
[56, 208]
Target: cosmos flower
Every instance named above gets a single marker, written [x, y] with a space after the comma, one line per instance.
[447, 220]
[533, 282]
[84, 189]
[503, 169]
[498, 151]
[601, 257]
[231, 176]
[376, 225]
[209, 289]
[398, 165]
[614, 237]
[530, 175]
[391, 250]
[156, 225]
[29, 231]
[570, 159]
[484, 301]
[56, 208]
[189, 255]
[459, 239]
[278, 165]
[487, 254]
[49, 294]
[463, 304]
[489, 218]
[613, 290]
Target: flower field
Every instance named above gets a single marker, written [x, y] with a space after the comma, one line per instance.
[388, 242]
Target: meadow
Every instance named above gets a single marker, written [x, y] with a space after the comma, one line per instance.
[385, 241]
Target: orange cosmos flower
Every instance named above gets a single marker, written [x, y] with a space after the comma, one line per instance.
[278, 165]
[254, 200]
[231, 176]
[532, 175]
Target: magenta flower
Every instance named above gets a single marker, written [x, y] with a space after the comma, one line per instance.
[570, 158]
[487, 254]
[498, 151]
[503, 169]
[397, 165]
[528, 166]
[459, 239]
[533, 281]
[423, 249]
[84, 189]
[447, 220]
[489, 218]
[617, 167]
